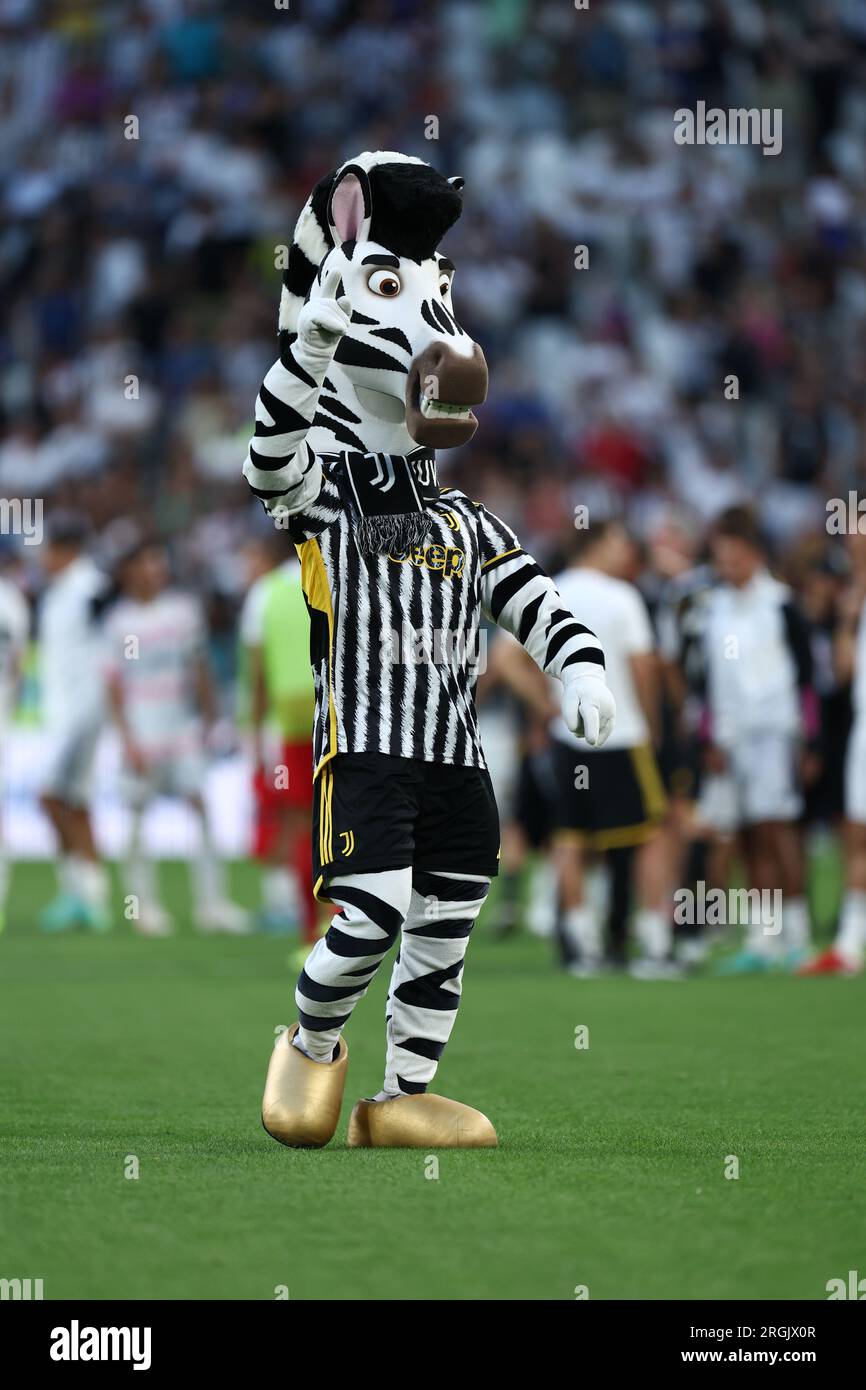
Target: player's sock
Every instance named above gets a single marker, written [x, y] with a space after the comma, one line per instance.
[92, 883]
[597, 889]
[141, 881]
[851, 937]
[654, 933]
[140, 872]
[304, 871]
[583, 931]
[93, 890]
[508, 904]
[207, 873]
[796, 933]
[762, 938]
[95, 885]
[614, 905]
[68, 908]
[542, 898]
[280, 892]
[67, 875]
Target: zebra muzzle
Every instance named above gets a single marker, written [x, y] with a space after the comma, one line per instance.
[441, 390]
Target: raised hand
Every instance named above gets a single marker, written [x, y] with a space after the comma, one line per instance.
[324, 318]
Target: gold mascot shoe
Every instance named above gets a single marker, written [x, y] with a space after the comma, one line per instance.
[301, 1104]
[419, 1122]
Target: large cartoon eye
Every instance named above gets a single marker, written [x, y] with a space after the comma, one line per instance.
[385, 282]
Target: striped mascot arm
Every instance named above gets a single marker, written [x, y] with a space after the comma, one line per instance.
[518, 595]
[281, 467]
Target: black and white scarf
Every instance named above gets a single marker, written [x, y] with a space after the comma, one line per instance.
[387, 495]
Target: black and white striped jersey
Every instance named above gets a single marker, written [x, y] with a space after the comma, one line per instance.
[395, 639]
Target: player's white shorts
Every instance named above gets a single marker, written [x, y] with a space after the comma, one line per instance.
[502, 755]
[68, 767]
[855, 773]
[183, 776]
[761, 783]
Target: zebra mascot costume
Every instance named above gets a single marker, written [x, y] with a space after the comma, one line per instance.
[374, 375]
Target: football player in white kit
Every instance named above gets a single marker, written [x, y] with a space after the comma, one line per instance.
[161, 701]
[14, 631]
[612, 799]
[72, 708]
[760, 719]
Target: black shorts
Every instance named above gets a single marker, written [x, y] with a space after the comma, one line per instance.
[373, 811]
[534, 797]
[825, 797]
[607, 800]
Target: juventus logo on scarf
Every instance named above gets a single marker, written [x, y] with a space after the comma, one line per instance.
[387, 494]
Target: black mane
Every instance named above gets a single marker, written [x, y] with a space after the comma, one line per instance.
[413, 207]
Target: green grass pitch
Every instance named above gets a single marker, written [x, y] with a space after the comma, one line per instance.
[610, 1173]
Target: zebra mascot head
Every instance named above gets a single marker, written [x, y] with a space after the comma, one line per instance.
[405, 374]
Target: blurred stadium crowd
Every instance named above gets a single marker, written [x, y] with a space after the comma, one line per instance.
[155, 155]
[154, 256]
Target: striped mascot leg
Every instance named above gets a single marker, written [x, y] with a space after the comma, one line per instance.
[341, 965]
[307, 1073]
[423, 998]
[427, 978]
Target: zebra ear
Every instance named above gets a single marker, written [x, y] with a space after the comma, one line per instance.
[350, 207]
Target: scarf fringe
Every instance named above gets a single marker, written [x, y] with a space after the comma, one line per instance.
[378, 535]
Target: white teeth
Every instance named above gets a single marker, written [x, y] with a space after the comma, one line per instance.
[434, 409]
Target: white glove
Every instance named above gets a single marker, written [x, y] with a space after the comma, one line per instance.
[323, 320]
[588, 708]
